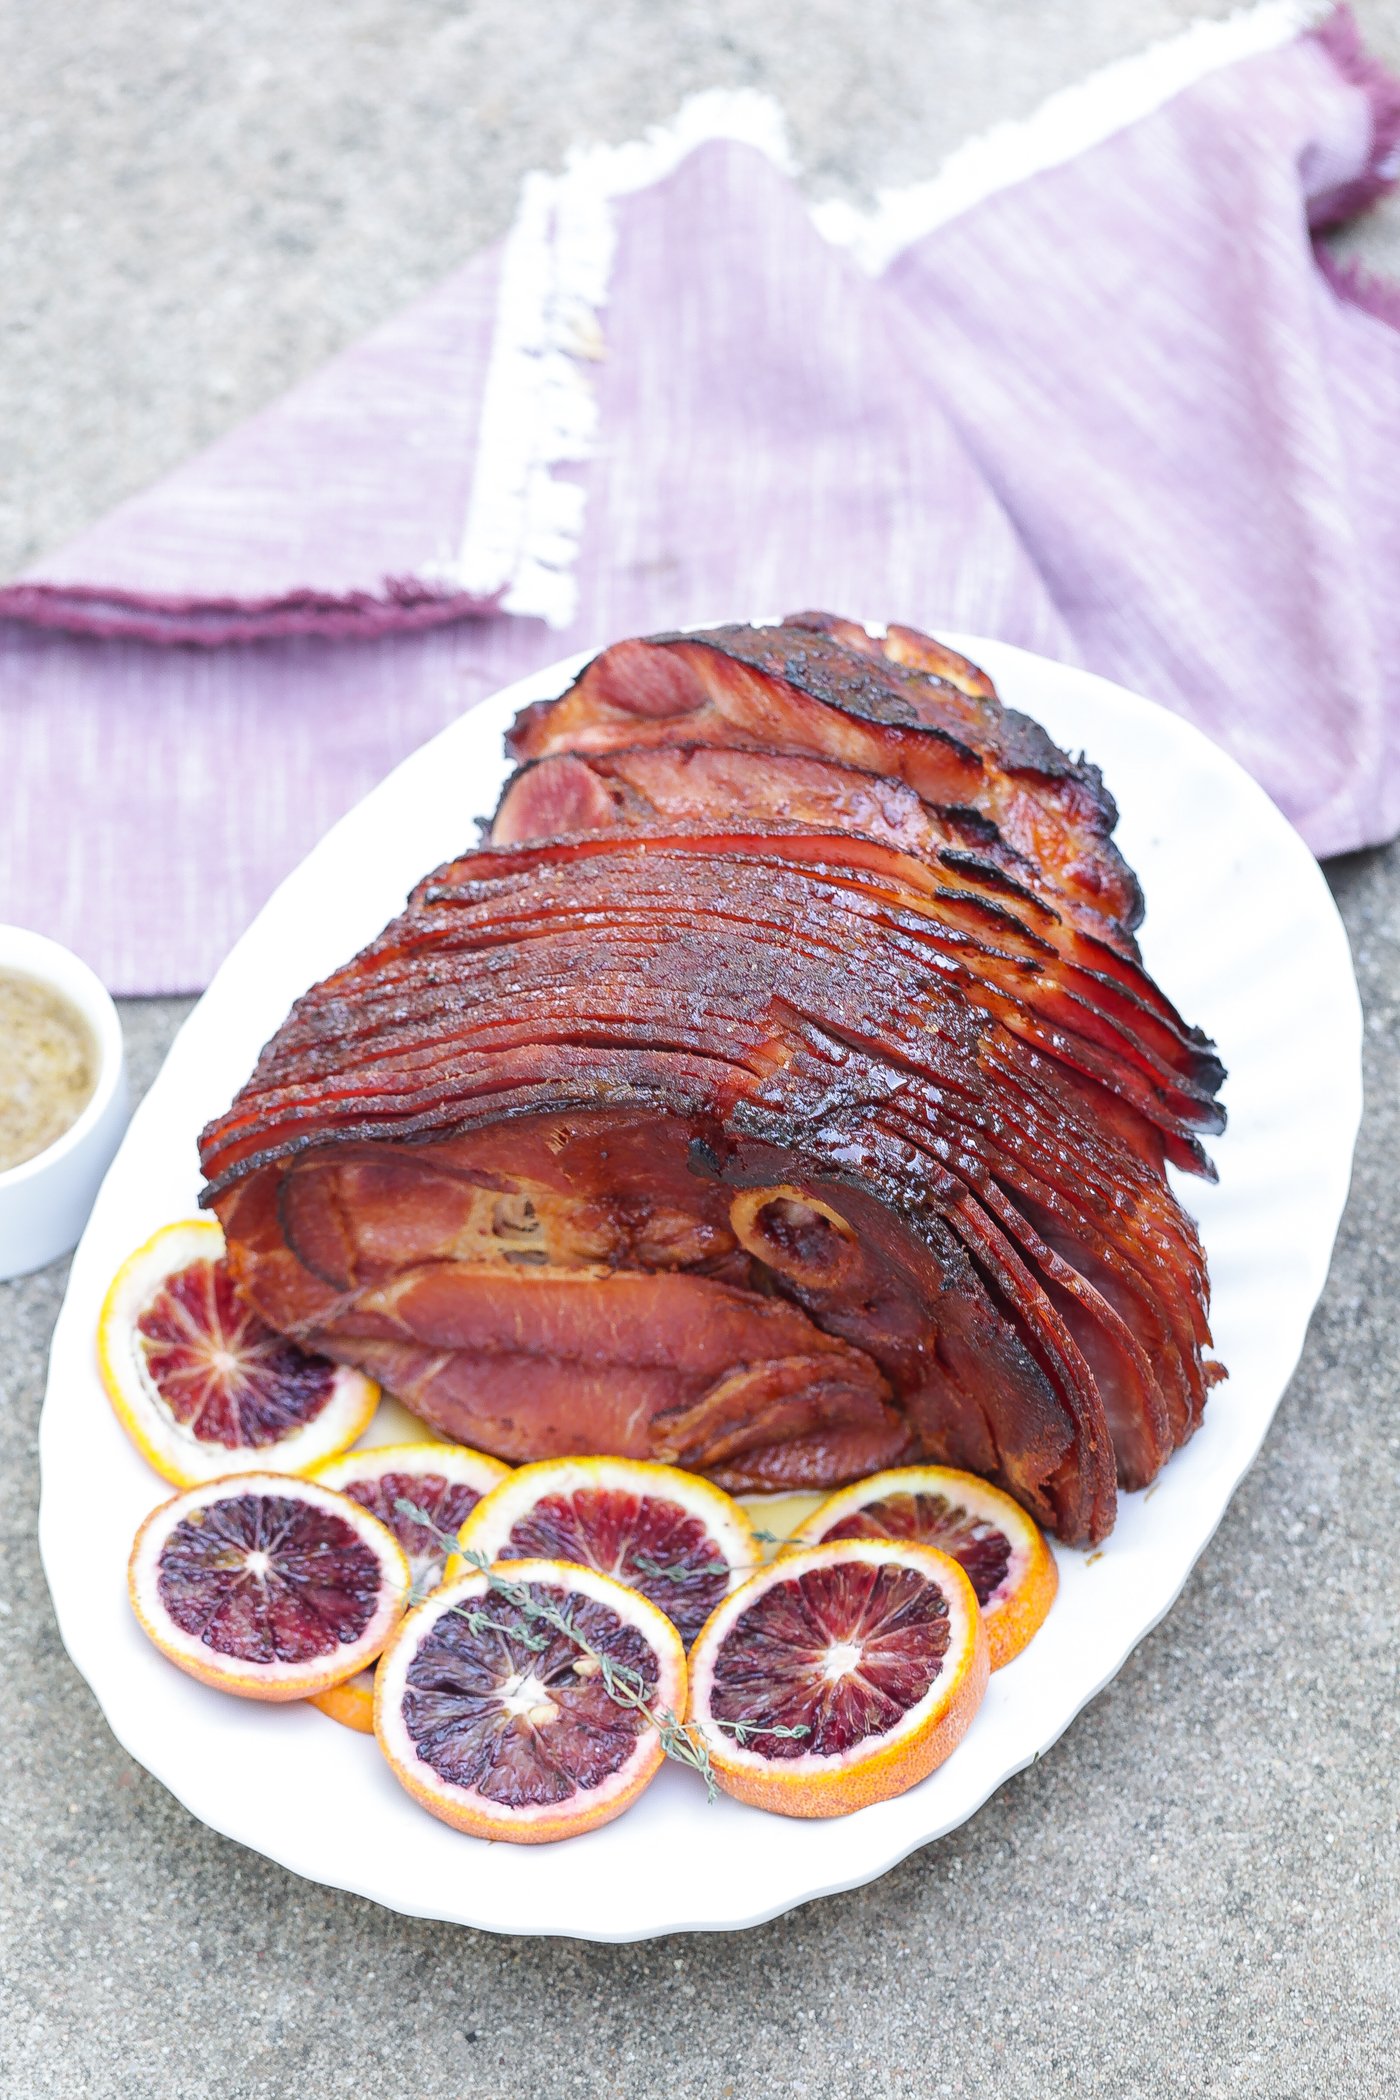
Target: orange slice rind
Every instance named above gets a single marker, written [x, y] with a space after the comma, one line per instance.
[351, 1703]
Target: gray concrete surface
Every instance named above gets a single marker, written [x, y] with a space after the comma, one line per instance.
[202, 202]
[1195, 1893]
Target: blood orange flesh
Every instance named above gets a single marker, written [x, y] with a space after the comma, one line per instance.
[445, 1503]
[268, 1579]
[679, 1541]
[645, 1541]
[519, 1727]
[201, 1384]
[979, 1546]
[997, 1546]
[265, 1585]
[839, 1676]
[224, 1374]
[838, 1654]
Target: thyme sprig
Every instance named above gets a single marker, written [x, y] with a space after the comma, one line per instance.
[624, 1686]
[677, 1571]
[480, 1623]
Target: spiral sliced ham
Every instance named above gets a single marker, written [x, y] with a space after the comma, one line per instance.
[778, 1093]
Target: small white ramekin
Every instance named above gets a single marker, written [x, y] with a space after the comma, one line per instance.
[44, 1201]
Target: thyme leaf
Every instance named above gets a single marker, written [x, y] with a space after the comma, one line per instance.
[742, 1731]
[677, 1571]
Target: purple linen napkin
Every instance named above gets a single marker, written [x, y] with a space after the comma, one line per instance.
[1091, 390]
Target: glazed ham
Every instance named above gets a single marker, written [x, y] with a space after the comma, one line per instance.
[778, 1093]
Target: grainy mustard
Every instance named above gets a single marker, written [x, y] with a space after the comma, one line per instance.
[48, 1067]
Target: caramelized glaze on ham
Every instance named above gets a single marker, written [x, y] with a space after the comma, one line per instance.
[779, 1093]
[878, 708]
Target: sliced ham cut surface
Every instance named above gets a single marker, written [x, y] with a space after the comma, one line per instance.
[777, 1092]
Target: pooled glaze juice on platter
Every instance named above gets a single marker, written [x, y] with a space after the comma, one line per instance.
[48, 1067]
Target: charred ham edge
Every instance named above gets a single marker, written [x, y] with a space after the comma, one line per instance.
[387, 1077]
[905, 645]
[1088, 1005]
[945, 688]
[798, 688]
[658, 787]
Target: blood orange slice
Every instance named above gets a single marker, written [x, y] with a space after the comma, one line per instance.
[445, 1481]
[266, 1586]
[678, 1539]
[1003, 1553]
[201, 1384]
[838, 1676]
[506, 1725]
[351, 1703]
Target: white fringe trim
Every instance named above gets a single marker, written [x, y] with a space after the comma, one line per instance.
[539, 412]
[524, 526]
[1066, 124]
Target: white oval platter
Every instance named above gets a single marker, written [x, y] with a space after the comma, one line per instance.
[1241, 932]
